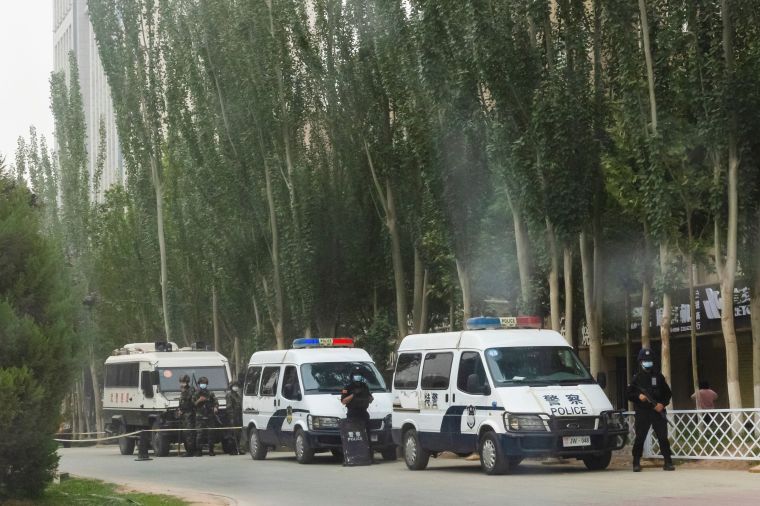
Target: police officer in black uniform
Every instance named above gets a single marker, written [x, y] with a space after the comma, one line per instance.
[357, 398]
[650, 393]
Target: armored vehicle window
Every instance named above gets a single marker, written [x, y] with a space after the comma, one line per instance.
[123, 375]
[291, 389]
[436, 371]
[407, 371]
[471, 363]
[252, 380]
[269, 380]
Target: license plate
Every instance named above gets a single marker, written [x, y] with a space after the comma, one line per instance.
[373, 437]
[576, 441]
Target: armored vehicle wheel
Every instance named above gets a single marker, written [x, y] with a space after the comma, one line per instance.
[257, 449]
[415, 456]
[126, 444]
[160, 442]
[597, 462]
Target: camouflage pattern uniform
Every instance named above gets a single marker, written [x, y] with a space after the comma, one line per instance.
[235, 416]
[205, 417]
[187, 415]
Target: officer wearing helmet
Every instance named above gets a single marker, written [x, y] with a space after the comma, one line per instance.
[235, 416]
[356, 397]
[206, 407]
[650, 393]
[186, 414]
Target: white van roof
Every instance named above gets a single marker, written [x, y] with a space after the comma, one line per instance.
[172, 358]
[482, 339]
[310, 355]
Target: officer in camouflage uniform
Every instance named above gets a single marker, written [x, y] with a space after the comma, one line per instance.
[206, 407]
[187, 414]
[235, 415]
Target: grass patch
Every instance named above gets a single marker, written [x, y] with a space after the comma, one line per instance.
[93, 492]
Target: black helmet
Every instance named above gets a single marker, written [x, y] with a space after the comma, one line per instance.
[203, 379]
[645, 354]
[185, 379]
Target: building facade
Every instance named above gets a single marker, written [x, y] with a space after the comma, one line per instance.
[73, 32]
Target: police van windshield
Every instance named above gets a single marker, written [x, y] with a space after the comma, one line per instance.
[536, 365]
[169, 377]
[332, 377]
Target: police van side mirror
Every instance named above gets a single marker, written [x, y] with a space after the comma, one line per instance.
[147, 384]
[601, 380]
[298, 396]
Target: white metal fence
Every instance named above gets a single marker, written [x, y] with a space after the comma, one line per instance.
[719, 434]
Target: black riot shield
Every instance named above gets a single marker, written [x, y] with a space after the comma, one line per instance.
[356, 450]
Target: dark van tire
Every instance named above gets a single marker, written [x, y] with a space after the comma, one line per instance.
[492, 458]
[597, 462]
[256, 448]
[304, 451]
[415, 456]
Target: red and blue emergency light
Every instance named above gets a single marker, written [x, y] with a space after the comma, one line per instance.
[323, 342]
[504, 322]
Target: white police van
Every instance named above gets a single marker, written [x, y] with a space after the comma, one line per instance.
[504, 392]
[141, 389]
[292, 399]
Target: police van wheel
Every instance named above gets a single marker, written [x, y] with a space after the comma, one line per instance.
[597, 462]
[160, 442]
[304, 451]
[415, 456]
[257, 449]
[492, 458]
[126, 444]
[389, 453]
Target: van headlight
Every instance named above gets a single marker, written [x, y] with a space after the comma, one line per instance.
[525, 423]
[615, 420]
[323, 422]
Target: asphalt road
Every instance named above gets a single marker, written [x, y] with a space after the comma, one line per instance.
[280, 480]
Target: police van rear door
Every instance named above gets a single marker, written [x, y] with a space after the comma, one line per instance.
[434, 386]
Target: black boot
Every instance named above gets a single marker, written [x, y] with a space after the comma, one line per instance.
[211, 450]
[668, 465]
[636, 466]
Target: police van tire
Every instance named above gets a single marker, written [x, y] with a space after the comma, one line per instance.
[492, 458]
[415, 456]
[160, 442]
[389, 453]
[597, 462]
[126, 444]
[257, 449]
[304, 451]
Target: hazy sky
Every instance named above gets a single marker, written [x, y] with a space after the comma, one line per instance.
[26, 60]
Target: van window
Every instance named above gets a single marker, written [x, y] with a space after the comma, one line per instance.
[332, 377]
[471, 363]
[123, 375]
[269, 380]
[252, 381]
[436, 371]
[290, 386]
[407, 371]
[535, 366]
[216, 375]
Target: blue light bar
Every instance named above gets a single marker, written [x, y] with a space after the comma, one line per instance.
[483, 323]
[323, 342]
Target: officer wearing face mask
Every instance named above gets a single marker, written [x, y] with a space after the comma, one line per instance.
[357, 397]
[650, 393]
[235, 415]
[187, 414]
[206, 407]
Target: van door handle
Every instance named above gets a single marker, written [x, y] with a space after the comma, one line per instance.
[453, 397]
[446, 397]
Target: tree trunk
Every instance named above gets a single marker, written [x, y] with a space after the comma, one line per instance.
[85, 411]
[97, 401]
[728, 272]
[595, 343]
[628, 352]
[523, 258]
[568, 270]
[236, 354]
[419, 274]
[425, 298]
[553, 277]
[215, 317]
[666, 317]
[693, 326]
[464, 283]
[648, 59]
[646, 296]
[161, 244]
[257, 317]
[277, 316]
[755, 317]
[451, 312]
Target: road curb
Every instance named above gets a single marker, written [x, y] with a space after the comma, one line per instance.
[755, 469]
